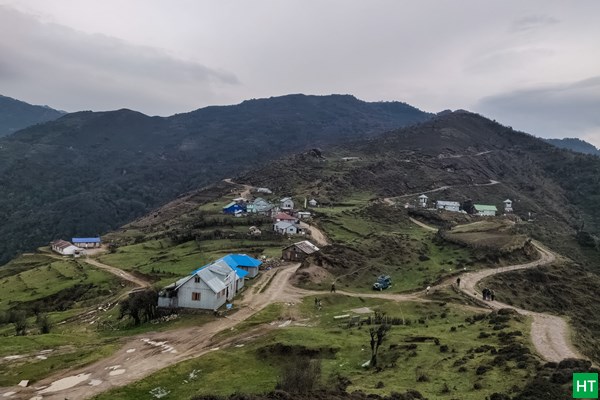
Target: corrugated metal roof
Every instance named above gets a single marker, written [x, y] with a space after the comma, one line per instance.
[220, 267]
[233, 203]
[305, 246]
[284, 217]
[447, 203]
[285, 199]
[284, 224]
[211, 279]
[240, 273]
[61, 244]
[483, 207]
[241, 260]
[86, 240]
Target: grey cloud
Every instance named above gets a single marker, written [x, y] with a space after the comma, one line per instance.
[532, 22]
[92, 70]
[556, 110]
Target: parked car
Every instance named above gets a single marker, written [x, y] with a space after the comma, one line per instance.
[383, 282]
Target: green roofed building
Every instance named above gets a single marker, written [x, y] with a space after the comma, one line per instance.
[485, 210]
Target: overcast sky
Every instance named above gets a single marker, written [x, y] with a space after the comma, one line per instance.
[534, 65]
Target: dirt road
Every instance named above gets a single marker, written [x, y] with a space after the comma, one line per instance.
[147, 353]
[316, 234]
[550, 334]
[422, 225]
[244, 193]
[118, 272]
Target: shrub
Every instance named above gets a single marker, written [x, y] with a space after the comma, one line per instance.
[301, 375]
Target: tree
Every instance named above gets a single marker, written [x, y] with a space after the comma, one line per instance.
[140, 306]
[377, 336]
[43, 323]
[20, 321]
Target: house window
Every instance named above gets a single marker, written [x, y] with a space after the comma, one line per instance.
[197, 279]
[195, 296]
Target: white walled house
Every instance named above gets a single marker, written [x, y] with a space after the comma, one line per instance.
[453, 206]
[483, 210]
[65, 248]
[286, 204]
[423, 200]
[286, 228]
[508, 206]
[211, 286]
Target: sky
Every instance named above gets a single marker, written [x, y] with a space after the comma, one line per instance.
[533, 65]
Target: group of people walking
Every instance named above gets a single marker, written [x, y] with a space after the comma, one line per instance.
[488, 294]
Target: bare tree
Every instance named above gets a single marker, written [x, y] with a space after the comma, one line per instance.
[377, 336]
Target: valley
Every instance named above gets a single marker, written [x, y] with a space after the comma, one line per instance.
[364, 214]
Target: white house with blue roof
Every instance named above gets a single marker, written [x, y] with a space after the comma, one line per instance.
[208, 287]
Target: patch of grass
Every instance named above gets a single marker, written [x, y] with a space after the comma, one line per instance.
[47, 277]
[407, 349]
[68, 351]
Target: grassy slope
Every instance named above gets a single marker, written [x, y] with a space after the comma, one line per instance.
[351, 345]
[564, 289]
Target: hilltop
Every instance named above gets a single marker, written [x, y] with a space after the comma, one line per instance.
[16, 115]
[575, 144]
[93, 171]
[462, 153]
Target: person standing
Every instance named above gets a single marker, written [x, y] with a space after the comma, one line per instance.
[458, 282]
[333, 287]
[492, 295]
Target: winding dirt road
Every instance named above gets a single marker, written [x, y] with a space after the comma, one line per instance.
[316, 234]
[139, 282]
[550, 334]
[244, 193]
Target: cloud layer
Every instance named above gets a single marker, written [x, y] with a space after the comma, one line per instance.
[554, 110]
[148, 55]
[75, 70]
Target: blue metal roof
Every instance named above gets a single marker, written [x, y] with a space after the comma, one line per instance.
[240, 272]
[86, 240]
[241, 260]
[235, 261]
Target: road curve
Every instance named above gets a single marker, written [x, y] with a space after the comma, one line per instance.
[550, 334]
[118, 272]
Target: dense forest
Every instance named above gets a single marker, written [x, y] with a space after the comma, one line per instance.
[89, 172]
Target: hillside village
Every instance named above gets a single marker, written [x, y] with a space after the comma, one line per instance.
[481, 210]
[216, 284]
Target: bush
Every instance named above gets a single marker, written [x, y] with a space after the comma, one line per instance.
[300, 375]
[43, 323]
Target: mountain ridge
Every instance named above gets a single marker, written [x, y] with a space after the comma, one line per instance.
[575, 144]
[16, 115]
[94, 171]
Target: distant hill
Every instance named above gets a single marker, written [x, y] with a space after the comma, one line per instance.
[575, 144]
[89, 172]
[16, 115]
[463, 151]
